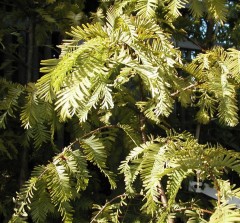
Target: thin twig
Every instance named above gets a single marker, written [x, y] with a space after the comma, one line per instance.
[129, 203]
[105, 205]
[186, 88]
[215, 182]
[99, 129]
[192, 208]
[90, 133]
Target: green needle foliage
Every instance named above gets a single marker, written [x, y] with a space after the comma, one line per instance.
[118, 80]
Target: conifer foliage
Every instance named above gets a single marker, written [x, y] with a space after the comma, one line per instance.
[118, 76]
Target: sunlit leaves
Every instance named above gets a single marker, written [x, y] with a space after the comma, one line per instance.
[146, 8]
[225, 213]
[29, 113]
[217, 68]
[173, 8]
[234, 63]
[217, 9]
[175, 158]
[197, 8]
[125, 70]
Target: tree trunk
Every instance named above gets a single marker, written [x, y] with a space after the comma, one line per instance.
[29, 77]
[197, 135]
[210, 34]
[30, 47]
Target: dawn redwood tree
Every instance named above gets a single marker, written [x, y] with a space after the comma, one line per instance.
[28, 34]
[115, 86]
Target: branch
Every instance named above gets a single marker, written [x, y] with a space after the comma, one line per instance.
[183, 34]
[192, 208]
[105, 205]
[98, 130]
[141, 116]
[89, 134]
[215, 182]
[163, 196]
[187, 88]
[142, 120]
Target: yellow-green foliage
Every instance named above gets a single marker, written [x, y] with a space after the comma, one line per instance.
[119, 73]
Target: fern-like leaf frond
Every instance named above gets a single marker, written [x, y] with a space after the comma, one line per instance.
[196, 8]
[131, 172]
[53, 187]
[219, 85]
[173, 8]
[225, 213]
[217, 9]
[9, 95]
[41, 202]
[96, 153]
[146, 8]
[234, 63]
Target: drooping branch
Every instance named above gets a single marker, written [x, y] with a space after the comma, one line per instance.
[142, 120]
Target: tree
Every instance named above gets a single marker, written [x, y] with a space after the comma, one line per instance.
[116, 85]
[28, 34]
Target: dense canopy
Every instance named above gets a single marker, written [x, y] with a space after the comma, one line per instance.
[118, 125]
